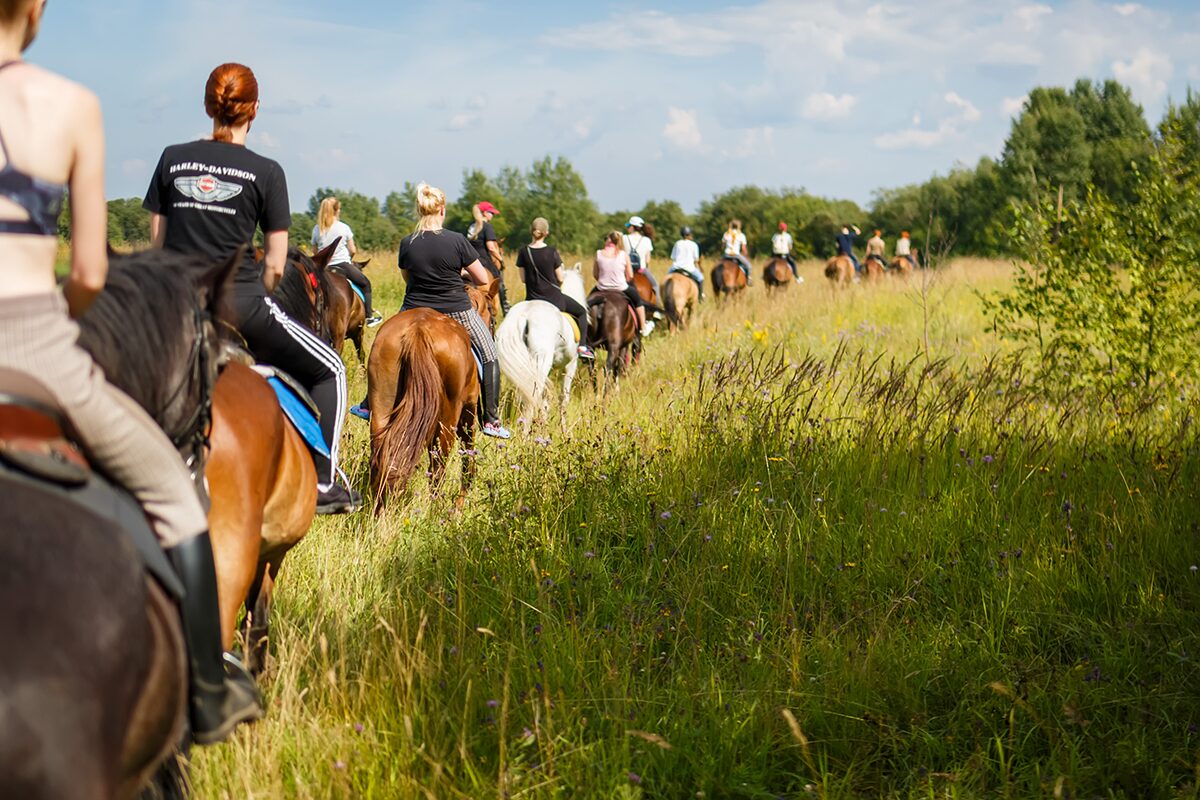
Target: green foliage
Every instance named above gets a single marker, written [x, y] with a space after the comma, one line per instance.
[1110, 290]
[128, 222]
[813, 221]
[365, 216]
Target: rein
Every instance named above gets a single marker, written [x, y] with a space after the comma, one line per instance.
[193, 440]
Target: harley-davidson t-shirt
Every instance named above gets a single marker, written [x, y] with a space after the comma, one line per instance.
[214, 195]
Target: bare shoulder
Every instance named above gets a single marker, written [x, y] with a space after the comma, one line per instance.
[63, 95]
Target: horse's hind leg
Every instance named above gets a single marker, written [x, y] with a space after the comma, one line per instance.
[257, 624]
[466, 437]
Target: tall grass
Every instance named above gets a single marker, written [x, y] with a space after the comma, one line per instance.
[822, 544]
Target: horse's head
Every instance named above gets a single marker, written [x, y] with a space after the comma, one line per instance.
[483, 300]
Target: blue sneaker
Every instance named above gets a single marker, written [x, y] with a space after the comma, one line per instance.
[361, 411]
[497, 430]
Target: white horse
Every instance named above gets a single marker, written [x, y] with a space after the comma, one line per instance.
[535, 338]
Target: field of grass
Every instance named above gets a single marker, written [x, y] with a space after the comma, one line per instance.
[817, 546]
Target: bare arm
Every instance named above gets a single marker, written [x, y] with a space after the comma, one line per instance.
[493, 249]
[478, 274]
[275, 259]
[628, 269]
[351, 248]
[89, 212]
[596, 269]
[158, 231]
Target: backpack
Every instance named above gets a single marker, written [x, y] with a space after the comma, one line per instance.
[635, 258]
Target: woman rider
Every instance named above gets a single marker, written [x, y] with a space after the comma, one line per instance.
[330, 227]
[541, 268]
[433, 260]
[614, 272]
[208, 197]
[52, 137]
[733, 246]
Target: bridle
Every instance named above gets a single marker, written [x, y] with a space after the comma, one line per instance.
[317, 321]
[193, 440]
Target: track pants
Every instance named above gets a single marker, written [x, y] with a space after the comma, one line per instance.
[118, 436]
[276, 339]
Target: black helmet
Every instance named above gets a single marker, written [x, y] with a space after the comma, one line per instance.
[685, 231]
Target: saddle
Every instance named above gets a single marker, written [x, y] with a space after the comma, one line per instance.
[37, 454]
[574, 325]
[298, 406]
[354, 287]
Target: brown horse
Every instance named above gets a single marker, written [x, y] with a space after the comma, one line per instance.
[680, 295]
[777, 274]
[345, 312]
[423, 390]
[645, 289]
[901, 267]
[727, 278]
[840, 270]
[613, 326]
[873, 268]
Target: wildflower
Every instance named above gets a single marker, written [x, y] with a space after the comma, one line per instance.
[516, 467]
[339, 764]
[708, 537]
[358, 727]
[1193, 568]
[988, 459]
[635, 779]
[665, 515]
[493, 703]
[589, 554]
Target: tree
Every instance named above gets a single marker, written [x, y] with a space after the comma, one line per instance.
[364, 215]
[1047, 147]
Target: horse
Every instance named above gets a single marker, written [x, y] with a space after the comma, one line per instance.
[680, 295]
[777, 274]
[728, 278]
[93, 684]
[840, 270]
[305, 290]
[423, 389]
[901, 267]
[345, 311]
[873, 268]
[613, 326]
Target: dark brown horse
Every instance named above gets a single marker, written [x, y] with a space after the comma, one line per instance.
[680, 295]
[423, 391]
[345, 312]
[727, 278]
[777, 274]
[613, 326]
[93, 681]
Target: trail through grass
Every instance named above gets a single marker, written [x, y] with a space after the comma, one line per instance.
[827, 545]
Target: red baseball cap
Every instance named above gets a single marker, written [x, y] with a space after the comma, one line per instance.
[783, 226]
[485, 207]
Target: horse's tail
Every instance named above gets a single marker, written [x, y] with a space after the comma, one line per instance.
[516, 362]
[719, 278]
[413, 424]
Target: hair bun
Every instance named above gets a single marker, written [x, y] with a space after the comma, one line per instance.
[230, 98]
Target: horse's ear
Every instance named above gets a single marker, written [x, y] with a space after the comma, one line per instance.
[259, 254]
[321, 258]
[362, 264]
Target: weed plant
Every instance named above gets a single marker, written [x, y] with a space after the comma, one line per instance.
[797, 553]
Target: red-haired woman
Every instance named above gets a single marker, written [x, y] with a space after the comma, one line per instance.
[208, 197]
[52, 138]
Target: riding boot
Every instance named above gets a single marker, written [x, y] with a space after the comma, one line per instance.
[222, 694]
[504, 306]
[491, 391]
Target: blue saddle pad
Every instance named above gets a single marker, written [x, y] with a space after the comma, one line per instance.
[301, 418]
[357, 291]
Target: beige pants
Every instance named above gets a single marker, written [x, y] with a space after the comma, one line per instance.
[119, 438]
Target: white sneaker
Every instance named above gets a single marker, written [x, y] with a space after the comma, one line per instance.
[799, 279]
[648, 328]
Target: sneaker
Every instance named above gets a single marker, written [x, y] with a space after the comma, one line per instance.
[799, 279]
[361, 411]
[497, 430]
[375, 319]
[338, 500]
[648, 328]
[586, 353]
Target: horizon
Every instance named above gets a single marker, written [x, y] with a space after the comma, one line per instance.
[716, 102]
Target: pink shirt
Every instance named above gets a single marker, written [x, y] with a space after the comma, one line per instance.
[612, 270]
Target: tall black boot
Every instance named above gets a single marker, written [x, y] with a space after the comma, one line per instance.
[491, 401]
[222, 694]
[504, 306]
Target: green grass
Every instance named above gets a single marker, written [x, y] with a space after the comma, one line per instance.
[820, 545]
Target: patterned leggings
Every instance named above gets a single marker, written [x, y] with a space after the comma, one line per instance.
[481, 338]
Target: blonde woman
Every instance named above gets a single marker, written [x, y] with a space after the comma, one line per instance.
[433, 261]
[733, 245]
[329, 228]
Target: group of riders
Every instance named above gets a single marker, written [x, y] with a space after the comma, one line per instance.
[209, 199]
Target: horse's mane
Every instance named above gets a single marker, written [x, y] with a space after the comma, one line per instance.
[291, 294]
[135, 330]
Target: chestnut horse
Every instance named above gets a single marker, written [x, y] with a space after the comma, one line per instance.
[680, 295]
[728, 278]
[345, 312]
[777, 274]
[93, 682]
[840, 270]
[613, 326]
[423, 390]
[873, 268]
[901, 267]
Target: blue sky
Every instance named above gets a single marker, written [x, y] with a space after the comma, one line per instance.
[647, 100]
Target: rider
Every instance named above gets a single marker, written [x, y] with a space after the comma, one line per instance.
[432, 261]
[637, 242]
[904, 248]
[845, 244]
[781, 247]
[733, 244]
[487, 245]
[329, 227]
[685, 258]
[875, 248]
[53, 137]
[541, 269]
[208, 197]
[613, 271]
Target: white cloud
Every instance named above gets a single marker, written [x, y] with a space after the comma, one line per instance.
[1012, 106]
[969, 112]
[916, 138]
[682, 130]
[477, 102]
[752, 143]
[1146, 74]
[1029, 16]
[264, 140]
[463, 121]
[1127, 9]
[825, 106]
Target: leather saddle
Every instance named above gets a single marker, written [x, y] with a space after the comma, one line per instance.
[37, 455]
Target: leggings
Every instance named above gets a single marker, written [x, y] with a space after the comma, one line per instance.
[121, 440]
[276, 339]
[481, 338]
[791, 262]
[742, 262]
[356, 276]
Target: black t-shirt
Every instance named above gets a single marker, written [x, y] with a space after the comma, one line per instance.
[539, 264]
[481, 249]
[214, 195]
[433, 262]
